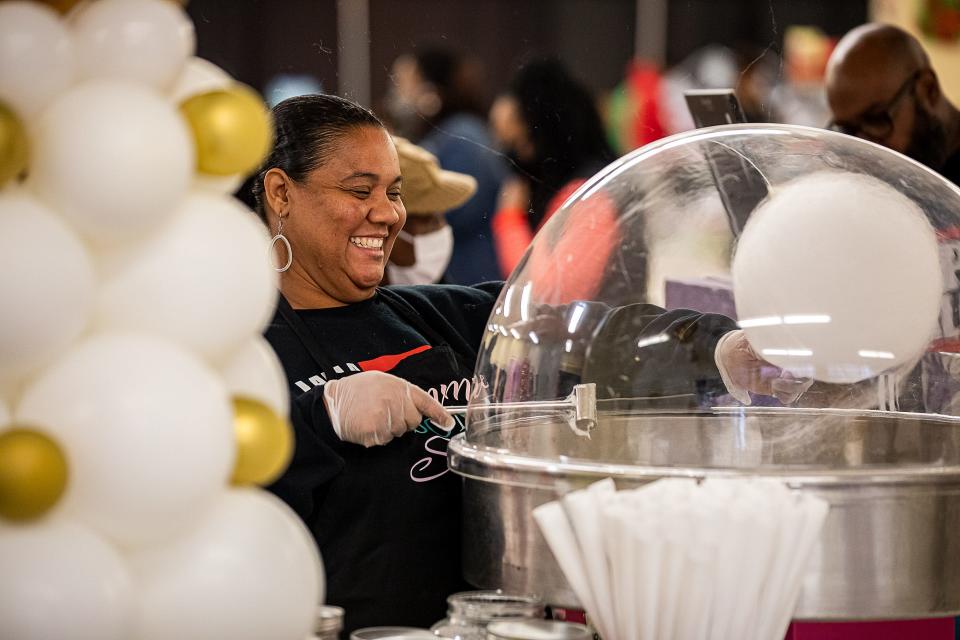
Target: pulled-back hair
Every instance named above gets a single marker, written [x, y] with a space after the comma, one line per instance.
[307, 129]
[564, 126]
[458, 80]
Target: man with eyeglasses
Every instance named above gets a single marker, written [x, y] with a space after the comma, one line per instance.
[881, 87]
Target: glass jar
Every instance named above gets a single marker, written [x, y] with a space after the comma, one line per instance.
[468, 613]
[328, 623]
[391, 633]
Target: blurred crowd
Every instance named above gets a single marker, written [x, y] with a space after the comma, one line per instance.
[530, 145]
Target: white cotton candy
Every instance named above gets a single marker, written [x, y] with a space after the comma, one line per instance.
[837, 277]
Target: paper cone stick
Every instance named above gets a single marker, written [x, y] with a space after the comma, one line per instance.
[646, 569]
[583, 512]
[815, 511]
[790, 523]
[560, 538]
[756, 556]
[621, 553]
[693, 616]
[670, 576]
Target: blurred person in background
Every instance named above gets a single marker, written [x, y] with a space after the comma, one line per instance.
[635, 111]
[799, 98]
[760, 72]
[709, 67]
[881, 87]
[550, 128]
[437, 100]
[423, 247]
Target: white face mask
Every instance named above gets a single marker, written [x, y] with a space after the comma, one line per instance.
[431, 253]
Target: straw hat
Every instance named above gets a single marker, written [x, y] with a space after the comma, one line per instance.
[426, 187]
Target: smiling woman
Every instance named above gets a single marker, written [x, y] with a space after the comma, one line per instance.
[365, 366]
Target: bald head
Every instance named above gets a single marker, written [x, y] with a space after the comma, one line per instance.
[876, 49]
[880, 87]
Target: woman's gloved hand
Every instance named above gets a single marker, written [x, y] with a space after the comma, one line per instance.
[743, 371]
[373, 408]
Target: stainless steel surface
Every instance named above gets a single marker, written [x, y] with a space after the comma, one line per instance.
[582, 401]
[890, 548]
[328, 622]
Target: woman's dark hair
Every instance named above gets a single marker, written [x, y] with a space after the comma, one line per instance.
[564, 125]
[457, 79]
[307, 127]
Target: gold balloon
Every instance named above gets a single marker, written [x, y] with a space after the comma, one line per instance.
[232, 129]
[13, 146]
[264, 443]
[33, 474]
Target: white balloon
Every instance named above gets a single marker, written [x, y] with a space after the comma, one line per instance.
[837, 277]
[61, 580]
[36, 56]
[10, 392]
[217, 185]
[113, 158]
[249, 570]
[254, 370]
[47, 287]
[70, 17]
[144, 41]
[198, 76]
[148, 430]
[201, 280]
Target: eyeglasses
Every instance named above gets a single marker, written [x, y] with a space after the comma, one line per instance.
[878, 122]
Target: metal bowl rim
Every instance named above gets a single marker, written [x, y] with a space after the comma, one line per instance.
[466, 458]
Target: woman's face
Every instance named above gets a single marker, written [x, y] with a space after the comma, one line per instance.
[343, 219]
[509, 128]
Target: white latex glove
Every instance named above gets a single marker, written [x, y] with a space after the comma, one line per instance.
[743, 371]
[373, 408]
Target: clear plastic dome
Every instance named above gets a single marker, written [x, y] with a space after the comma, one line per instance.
[838, 258]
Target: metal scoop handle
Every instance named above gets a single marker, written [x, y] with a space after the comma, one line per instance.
[582, 400]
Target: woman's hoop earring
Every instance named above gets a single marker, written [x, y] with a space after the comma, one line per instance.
[273, 242]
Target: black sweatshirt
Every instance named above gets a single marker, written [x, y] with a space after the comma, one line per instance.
[386, 519]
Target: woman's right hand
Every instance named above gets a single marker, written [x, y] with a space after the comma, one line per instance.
[743, 370]
[372, 408]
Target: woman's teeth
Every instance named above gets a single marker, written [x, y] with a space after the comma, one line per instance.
[367, 243]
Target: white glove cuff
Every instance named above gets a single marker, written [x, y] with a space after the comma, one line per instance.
[328, 402]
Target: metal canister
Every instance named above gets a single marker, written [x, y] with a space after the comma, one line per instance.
[537, 630]
[328, 622]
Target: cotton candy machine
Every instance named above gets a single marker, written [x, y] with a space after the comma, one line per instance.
[876, 435]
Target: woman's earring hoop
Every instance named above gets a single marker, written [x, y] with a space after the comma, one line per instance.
[273, 242]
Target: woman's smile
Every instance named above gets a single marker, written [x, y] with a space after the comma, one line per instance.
[368, 242]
